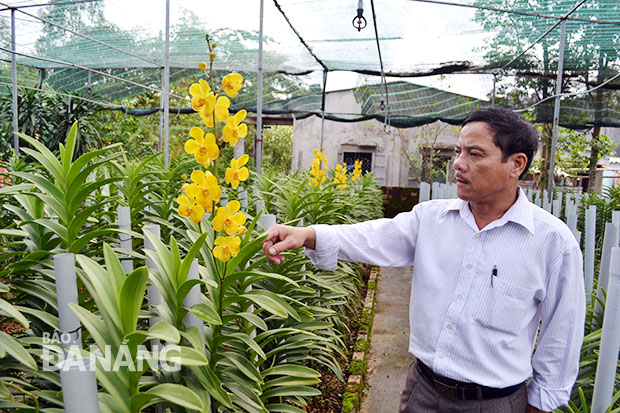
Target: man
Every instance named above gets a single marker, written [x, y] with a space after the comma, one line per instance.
[490, 271]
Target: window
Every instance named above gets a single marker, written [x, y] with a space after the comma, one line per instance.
[350, 157]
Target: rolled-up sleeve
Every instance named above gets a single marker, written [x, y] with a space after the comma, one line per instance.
[556, 360]
[384, 242]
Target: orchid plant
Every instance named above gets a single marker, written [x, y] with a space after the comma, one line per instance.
[203, 192]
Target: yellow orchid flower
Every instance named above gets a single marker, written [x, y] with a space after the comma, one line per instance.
[189, 208]
[234, 129]
[203, 99]
[231, 84]
[203, 146]
[317, 174]
[226, 248]
[228, 219]
[221, 108]
[202, 66]
[340, 177]
[219, 111]
[237, 172]
[207, 191]
[357, 171]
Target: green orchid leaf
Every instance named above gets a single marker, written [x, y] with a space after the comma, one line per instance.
[130, 298]
[245, 254]
[177, 394]
[11, 346]
[254, 319]
[295, 391]
[283, 408]
[206, 313]
[293, 370]
[191, 254]
[69, 149]
[165, 332]
[185, 356]
[7, 309]
[207, 377]
[244, 365]
[247, 340]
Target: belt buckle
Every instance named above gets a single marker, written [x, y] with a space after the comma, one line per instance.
[451, 392]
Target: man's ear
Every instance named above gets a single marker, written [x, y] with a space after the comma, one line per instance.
[519, 161]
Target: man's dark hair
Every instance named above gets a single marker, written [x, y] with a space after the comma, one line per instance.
[513, 133]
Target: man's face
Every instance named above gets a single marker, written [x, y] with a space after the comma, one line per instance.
[480, 174]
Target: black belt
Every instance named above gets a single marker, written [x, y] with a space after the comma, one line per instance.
[459, 390]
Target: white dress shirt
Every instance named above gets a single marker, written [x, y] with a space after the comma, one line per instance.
[465, 322]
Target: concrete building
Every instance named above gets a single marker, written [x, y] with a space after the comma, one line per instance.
[397, 156]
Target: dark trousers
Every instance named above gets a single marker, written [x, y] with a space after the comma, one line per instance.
[420, 397]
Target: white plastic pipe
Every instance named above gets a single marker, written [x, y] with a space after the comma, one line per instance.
[66, 292]
[589, 253]
[243, 199]
[192, 298]
[79, 385]
[425, 192]
[546, 202]
[267, 221]
[571, 221]
[610, 341]
[615, 218]
[124, 224]
[610, 241]
[260, 204]
[556, 207]
[435, 190]
[537, 198]
[154, 296]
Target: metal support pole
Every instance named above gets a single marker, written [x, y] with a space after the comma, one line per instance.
[494, 83]
[14, 84]
[161, 116]
[323, 109]
[556, 109]
[259, 98]
[166, 87]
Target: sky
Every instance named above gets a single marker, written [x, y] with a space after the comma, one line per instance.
[437, 23]
[430, 33]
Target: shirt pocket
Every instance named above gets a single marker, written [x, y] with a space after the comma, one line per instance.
[505, 308]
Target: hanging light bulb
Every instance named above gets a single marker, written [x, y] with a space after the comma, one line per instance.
[359, 22]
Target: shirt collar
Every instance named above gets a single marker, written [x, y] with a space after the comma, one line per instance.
[520, 212]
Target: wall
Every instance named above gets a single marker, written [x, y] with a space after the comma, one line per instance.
[389, 160]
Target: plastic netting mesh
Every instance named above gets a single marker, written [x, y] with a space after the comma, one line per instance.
[115, 48]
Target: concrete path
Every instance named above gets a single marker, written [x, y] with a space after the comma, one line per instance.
[388, 359]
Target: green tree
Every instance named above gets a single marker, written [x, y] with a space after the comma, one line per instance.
[590, 52]
[278, 143]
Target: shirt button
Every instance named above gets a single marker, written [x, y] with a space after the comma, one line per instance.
[468, 266]
[449, 326]
[441, 356]
[459, 297]
[477, 235]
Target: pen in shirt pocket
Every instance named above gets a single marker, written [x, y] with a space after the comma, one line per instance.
[493, 274]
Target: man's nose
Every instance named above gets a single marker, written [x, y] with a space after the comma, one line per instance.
[459, 163]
